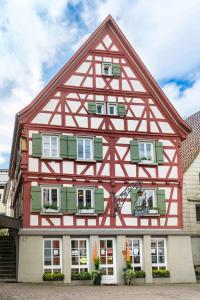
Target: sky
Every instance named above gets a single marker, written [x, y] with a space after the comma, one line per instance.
[38, 37]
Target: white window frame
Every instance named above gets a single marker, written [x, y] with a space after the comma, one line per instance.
[159, 265]
[52, 267]
[136, 265]
[79, 266]
[58, 197]
[82, 210]
[110, 104]
[145, 152]
[84, 152]
[104, 64]
[102, 104]
[58, 146]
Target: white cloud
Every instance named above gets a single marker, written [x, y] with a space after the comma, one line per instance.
[32, 34]
[186, 102]
[165, 34]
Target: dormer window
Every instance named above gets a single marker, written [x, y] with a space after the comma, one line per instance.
[107, 69]
[112, 109]
[100, 108]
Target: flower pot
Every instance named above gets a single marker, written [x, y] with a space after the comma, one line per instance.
[97, 280]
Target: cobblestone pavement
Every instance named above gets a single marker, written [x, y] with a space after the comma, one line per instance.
[21, 291]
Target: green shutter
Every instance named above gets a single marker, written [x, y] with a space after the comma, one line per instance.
[134, 149]
[159, 152]
[91, 107]
[36, 198]
[64, 146]
[161, 204]
[121, 108]
[98, 149]
[68, 199]
[71, 147]
[116, 70]
[64, 199]
[99, 201]
[133, 200]
[71, 199]
[36, 145]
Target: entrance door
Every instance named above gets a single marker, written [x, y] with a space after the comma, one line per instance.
[108, 260]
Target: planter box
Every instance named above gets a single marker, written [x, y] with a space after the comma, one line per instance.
[161, 280]
[138, 281]
[81, 282]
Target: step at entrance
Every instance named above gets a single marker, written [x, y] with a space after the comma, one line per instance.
[7, 258]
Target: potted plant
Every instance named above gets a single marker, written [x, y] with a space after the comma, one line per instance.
[82, 278]
[50, 207]
[53, 276]
[96, 276]
[128, 276]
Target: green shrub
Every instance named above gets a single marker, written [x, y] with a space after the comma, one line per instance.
[53, 276]
[96, 276]
[139, 274]
[80, 276]
[128, 276]
[197, 273]
[160, 273]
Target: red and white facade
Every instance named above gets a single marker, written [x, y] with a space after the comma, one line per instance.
[62, 109]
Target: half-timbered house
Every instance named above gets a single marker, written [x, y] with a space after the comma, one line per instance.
[101, 126]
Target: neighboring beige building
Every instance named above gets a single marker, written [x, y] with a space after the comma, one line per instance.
[191, 186]
[3, 181]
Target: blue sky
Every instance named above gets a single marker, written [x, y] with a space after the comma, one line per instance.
[35, 44]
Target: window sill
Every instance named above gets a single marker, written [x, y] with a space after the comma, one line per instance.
[151, 163]
[56, 213]
[86, 160]
[51, 158]
[86, 213]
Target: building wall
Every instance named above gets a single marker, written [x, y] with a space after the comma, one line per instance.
[31, 258]
[191, 197]
[2, 206]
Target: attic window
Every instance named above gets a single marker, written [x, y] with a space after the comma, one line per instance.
[107, 69]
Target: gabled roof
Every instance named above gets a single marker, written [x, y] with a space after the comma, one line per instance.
[180, 125]
[190, 147]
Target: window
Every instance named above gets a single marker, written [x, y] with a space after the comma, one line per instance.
[85, 199]
[146, 151]
[112, 109]
[147, 200]
[100, 108]
[50, 145]
[50, 197]
[79, 255]
[85, 148]
[52, 256]
[158, 254]
[107, 69]
[1, 195]
[136, 253]
[198, 213]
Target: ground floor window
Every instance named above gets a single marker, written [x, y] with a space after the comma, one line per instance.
[79, 255]
[52, 256]
[136, 253]
[158, 254]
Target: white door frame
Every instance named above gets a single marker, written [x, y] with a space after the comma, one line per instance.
[110, 279]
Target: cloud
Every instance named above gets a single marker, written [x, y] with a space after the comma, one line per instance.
[32, 35]
[186, 102]
[165, 35]
[36, 36]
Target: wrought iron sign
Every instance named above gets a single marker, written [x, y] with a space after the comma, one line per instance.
[142, 204]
